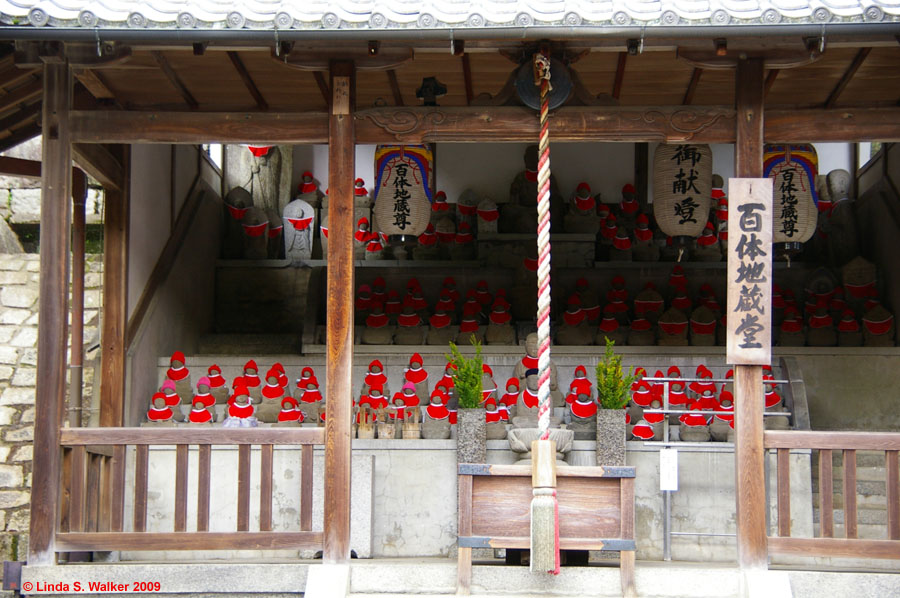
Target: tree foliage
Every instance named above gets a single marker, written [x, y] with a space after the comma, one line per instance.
[467, 377]
[613, 384]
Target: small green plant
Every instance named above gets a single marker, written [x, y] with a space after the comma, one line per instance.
[612, 382]
[467, 377]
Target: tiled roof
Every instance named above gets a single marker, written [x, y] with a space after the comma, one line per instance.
[456, 14]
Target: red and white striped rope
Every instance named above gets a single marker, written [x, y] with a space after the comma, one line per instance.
[542, 71]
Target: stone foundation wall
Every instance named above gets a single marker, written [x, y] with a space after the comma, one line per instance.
[19, 278]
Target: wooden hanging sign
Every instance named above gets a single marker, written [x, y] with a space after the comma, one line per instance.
[749, 315]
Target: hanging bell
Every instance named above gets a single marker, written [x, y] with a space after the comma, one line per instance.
[530, 94]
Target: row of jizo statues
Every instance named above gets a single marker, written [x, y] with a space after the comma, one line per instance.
[623, 228]
[840, 308]
[418, 410]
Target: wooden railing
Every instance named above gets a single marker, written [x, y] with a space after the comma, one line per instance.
[827, 545]
[93, 502]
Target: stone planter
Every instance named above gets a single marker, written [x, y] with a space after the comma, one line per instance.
[610, 437]
[470, 436]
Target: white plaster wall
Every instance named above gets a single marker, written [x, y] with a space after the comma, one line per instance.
[150, 214]
[186, 157]
[314, 158]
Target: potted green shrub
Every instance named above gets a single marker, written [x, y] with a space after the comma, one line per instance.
[470, 426]
[613, 393]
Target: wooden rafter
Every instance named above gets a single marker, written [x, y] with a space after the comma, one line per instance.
[19, 116]
[15, 76]
[620, 75]
[22, 95]
[323, 87]
[692, 86]
[248, 81]
[770, 81]
[847, 76]
[20, 136]
[395, 87]
[94, 83]
[174, 79]
[467, 77]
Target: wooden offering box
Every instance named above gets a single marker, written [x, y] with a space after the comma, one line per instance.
[596, 512]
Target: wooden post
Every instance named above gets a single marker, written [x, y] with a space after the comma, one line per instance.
[339, 321]
[115, 300]
[56, 175]
[750, 487]
[76, 363]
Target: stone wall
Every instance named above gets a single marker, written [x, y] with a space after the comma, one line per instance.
[18, 362]
[20, 197]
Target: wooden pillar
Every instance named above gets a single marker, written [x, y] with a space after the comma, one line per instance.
[56, 175]
[76, 362]
[339, 321]
[115, 300]
[750, 484]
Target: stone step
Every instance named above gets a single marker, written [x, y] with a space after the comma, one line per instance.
[248, 344]
[863, 488]
[863, 459]
[653, 580]
[875, 501]
[875, 517]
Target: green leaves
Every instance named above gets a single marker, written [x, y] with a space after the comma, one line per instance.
[467, 378]
[612, 382]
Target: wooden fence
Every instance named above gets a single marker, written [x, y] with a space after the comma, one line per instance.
[93, 502]
[827, 545]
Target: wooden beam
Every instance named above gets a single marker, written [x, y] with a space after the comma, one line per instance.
[100, 163]
[174, 79]
[814, 439]
[21, 95]
[395, 87]
[467, 79]
[770, 81]
[115, 301]
[20, 167]
[620, 75]
[707, 124]
[94, 83]
[692, 86]
[323, 87]
[339, 318]
[248, 81]
[91, 542]
[53, 313]
[846, 77]
[750, 485]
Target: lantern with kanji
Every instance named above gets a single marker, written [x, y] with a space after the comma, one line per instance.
[682, 180]
[793, 169]
[402, 189]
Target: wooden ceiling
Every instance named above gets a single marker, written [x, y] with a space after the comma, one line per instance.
[251, 79]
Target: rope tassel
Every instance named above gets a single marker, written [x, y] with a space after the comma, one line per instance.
[544, 506]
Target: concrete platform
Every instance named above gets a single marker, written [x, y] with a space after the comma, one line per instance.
[430, 577]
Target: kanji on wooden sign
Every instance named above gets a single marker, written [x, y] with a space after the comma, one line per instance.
[749, 314]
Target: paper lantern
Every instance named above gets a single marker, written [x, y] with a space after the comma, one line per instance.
[402, 189]
[793, 169]
[682, 182]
